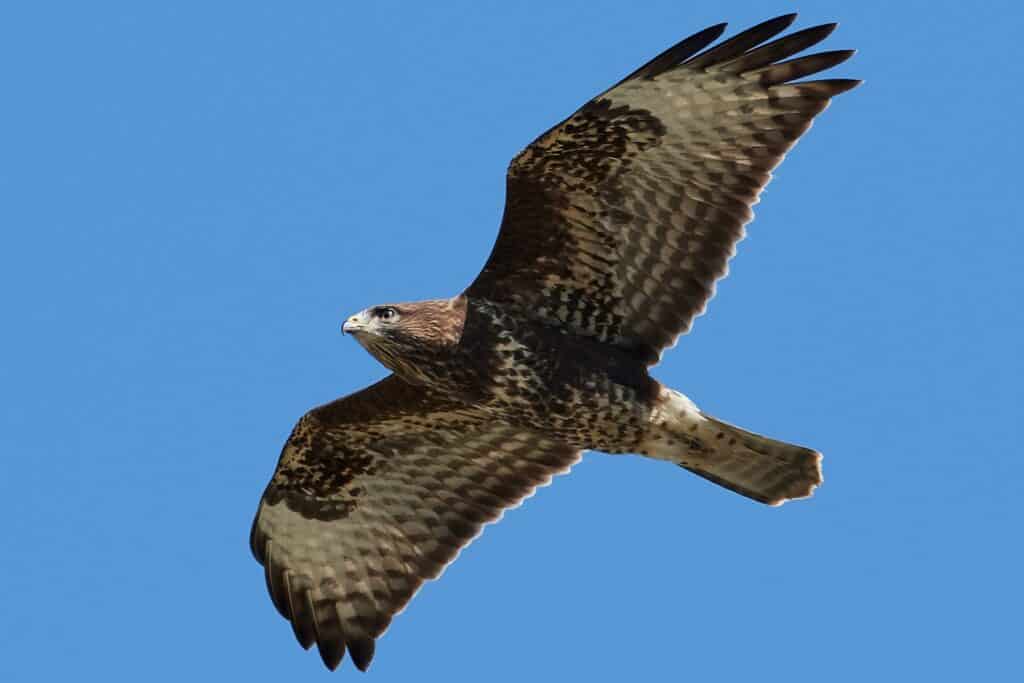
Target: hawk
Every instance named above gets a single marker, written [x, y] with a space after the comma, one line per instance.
[618, 221]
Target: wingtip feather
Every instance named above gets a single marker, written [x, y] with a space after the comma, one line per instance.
[837, 86]
[741, 42]
[361, 651]
[678, 53]
[300, 610]
[331, 652]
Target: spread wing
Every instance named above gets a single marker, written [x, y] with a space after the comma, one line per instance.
[376, 493]
[619, 220]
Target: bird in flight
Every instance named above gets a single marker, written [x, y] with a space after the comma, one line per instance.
[618, 222]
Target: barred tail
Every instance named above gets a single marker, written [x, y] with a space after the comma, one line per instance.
[755, 466]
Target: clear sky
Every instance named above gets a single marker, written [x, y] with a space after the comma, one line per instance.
[194, 195]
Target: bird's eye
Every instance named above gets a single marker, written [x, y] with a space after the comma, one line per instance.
[387, 313]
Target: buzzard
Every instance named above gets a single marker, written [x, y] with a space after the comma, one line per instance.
[618, 221]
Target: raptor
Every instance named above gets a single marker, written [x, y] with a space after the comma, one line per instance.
[618, 222]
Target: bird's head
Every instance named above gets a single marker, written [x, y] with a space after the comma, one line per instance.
[408, 337]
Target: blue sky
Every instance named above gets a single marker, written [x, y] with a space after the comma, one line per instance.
[194, 195]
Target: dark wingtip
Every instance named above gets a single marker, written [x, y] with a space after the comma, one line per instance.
[300, 609]
[741, 42]
[683, 50]
[779, 23]
[827, 28]
[841, 85]
[707, 36]
[816, 34]
[716, 29]
[331, 652]
[361, 652]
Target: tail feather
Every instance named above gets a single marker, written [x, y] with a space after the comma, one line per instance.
[760, 468]
[755, 466]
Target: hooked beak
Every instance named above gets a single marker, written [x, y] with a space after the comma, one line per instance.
[355, 323]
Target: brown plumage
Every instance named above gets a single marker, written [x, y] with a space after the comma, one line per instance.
[618, 221]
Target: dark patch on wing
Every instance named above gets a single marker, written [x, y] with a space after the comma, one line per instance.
[316, 470]
[581, 158]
